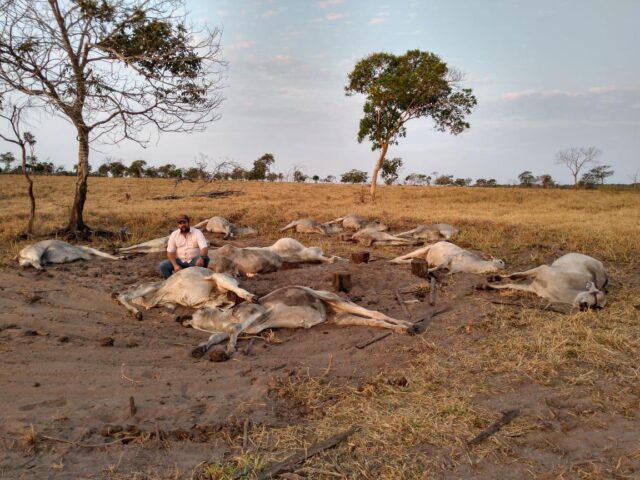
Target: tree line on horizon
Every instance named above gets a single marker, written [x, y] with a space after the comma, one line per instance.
[261, 170]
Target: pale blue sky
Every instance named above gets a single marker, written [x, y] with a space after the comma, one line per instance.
[547, 75]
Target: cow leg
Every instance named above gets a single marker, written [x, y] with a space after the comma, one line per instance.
[408, 233]
[124, 299]
[97, 253]
[204, 347]
[341, 305]
[344, 318]
[289, 227]
[419, 253]
[226, 283]
[238, 328]
[518, 275]
[513, 286]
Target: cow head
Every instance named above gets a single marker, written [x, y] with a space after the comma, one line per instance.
[592, 298]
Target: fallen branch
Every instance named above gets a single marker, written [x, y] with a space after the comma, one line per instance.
[421, 325]
[300, 456]
[86, 445]
[366, 343]
[507, 417]
[549, 307]
[245, 434]
[402, 304]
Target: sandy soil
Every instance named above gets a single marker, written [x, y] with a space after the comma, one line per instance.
[62, 376]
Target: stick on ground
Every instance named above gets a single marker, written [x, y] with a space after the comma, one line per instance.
[507, 417]
[366, 343]
[300, 456]
[402, 304]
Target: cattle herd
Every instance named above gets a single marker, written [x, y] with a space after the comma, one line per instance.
[217, 299]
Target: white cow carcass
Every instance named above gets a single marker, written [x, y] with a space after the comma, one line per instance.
[56, 251]
[450, 257]
[574, 279]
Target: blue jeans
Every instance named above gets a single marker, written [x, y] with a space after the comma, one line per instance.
[167, 269]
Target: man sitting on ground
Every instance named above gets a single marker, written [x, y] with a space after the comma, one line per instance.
[187, 247]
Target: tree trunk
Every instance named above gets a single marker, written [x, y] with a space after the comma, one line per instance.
[76, 222]
[32, 213]
[376, 169]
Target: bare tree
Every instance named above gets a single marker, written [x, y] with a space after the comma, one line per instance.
[111, 68]
[23, 140]
[576, 158]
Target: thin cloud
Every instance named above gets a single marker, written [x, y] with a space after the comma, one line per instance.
[281, 57]
[242, 45]
[329, 3]
[331, 17]
[273, 13]
[376, 20]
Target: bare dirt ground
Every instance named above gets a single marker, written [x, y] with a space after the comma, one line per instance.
[65, 394]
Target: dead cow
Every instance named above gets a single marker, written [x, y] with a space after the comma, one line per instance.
[152, 246]
[190, 287]
[356, 222]
[369, 236]
[574, 279]
[224, 226]
[288, 307]
[432, 233]
[292, 251]
[252, 260]
[306, 225]
[448, 256]
[56, 251]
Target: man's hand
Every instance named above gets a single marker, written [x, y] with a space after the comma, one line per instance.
[200, 262]
[177, 268]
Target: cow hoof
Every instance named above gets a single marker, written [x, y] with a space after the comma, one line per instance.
[482, 286]
[413, 330]
[114, 295]
[198, 352]
[138, 316]
[493, 278]
[219, 356]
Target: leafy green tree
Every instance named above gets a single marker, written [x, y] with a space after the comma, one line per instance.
[151, 172]
[444, 180]
[261, 167]
[481, 182]
[601, 172]
[315, 178]
[399, 88]
[546, 181]
[462, 182]
[329, 179]
[136, 169]
[354, 176]
[418, 179]
[112, 68]
[238, 173]
[390, 170]
[103, 170]
[527, 179]
[117, 168]
[164, 171]
[299, 176]
[7, 158]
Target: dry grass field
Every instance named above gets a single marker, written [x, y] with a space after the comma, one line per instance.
[573, 377]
